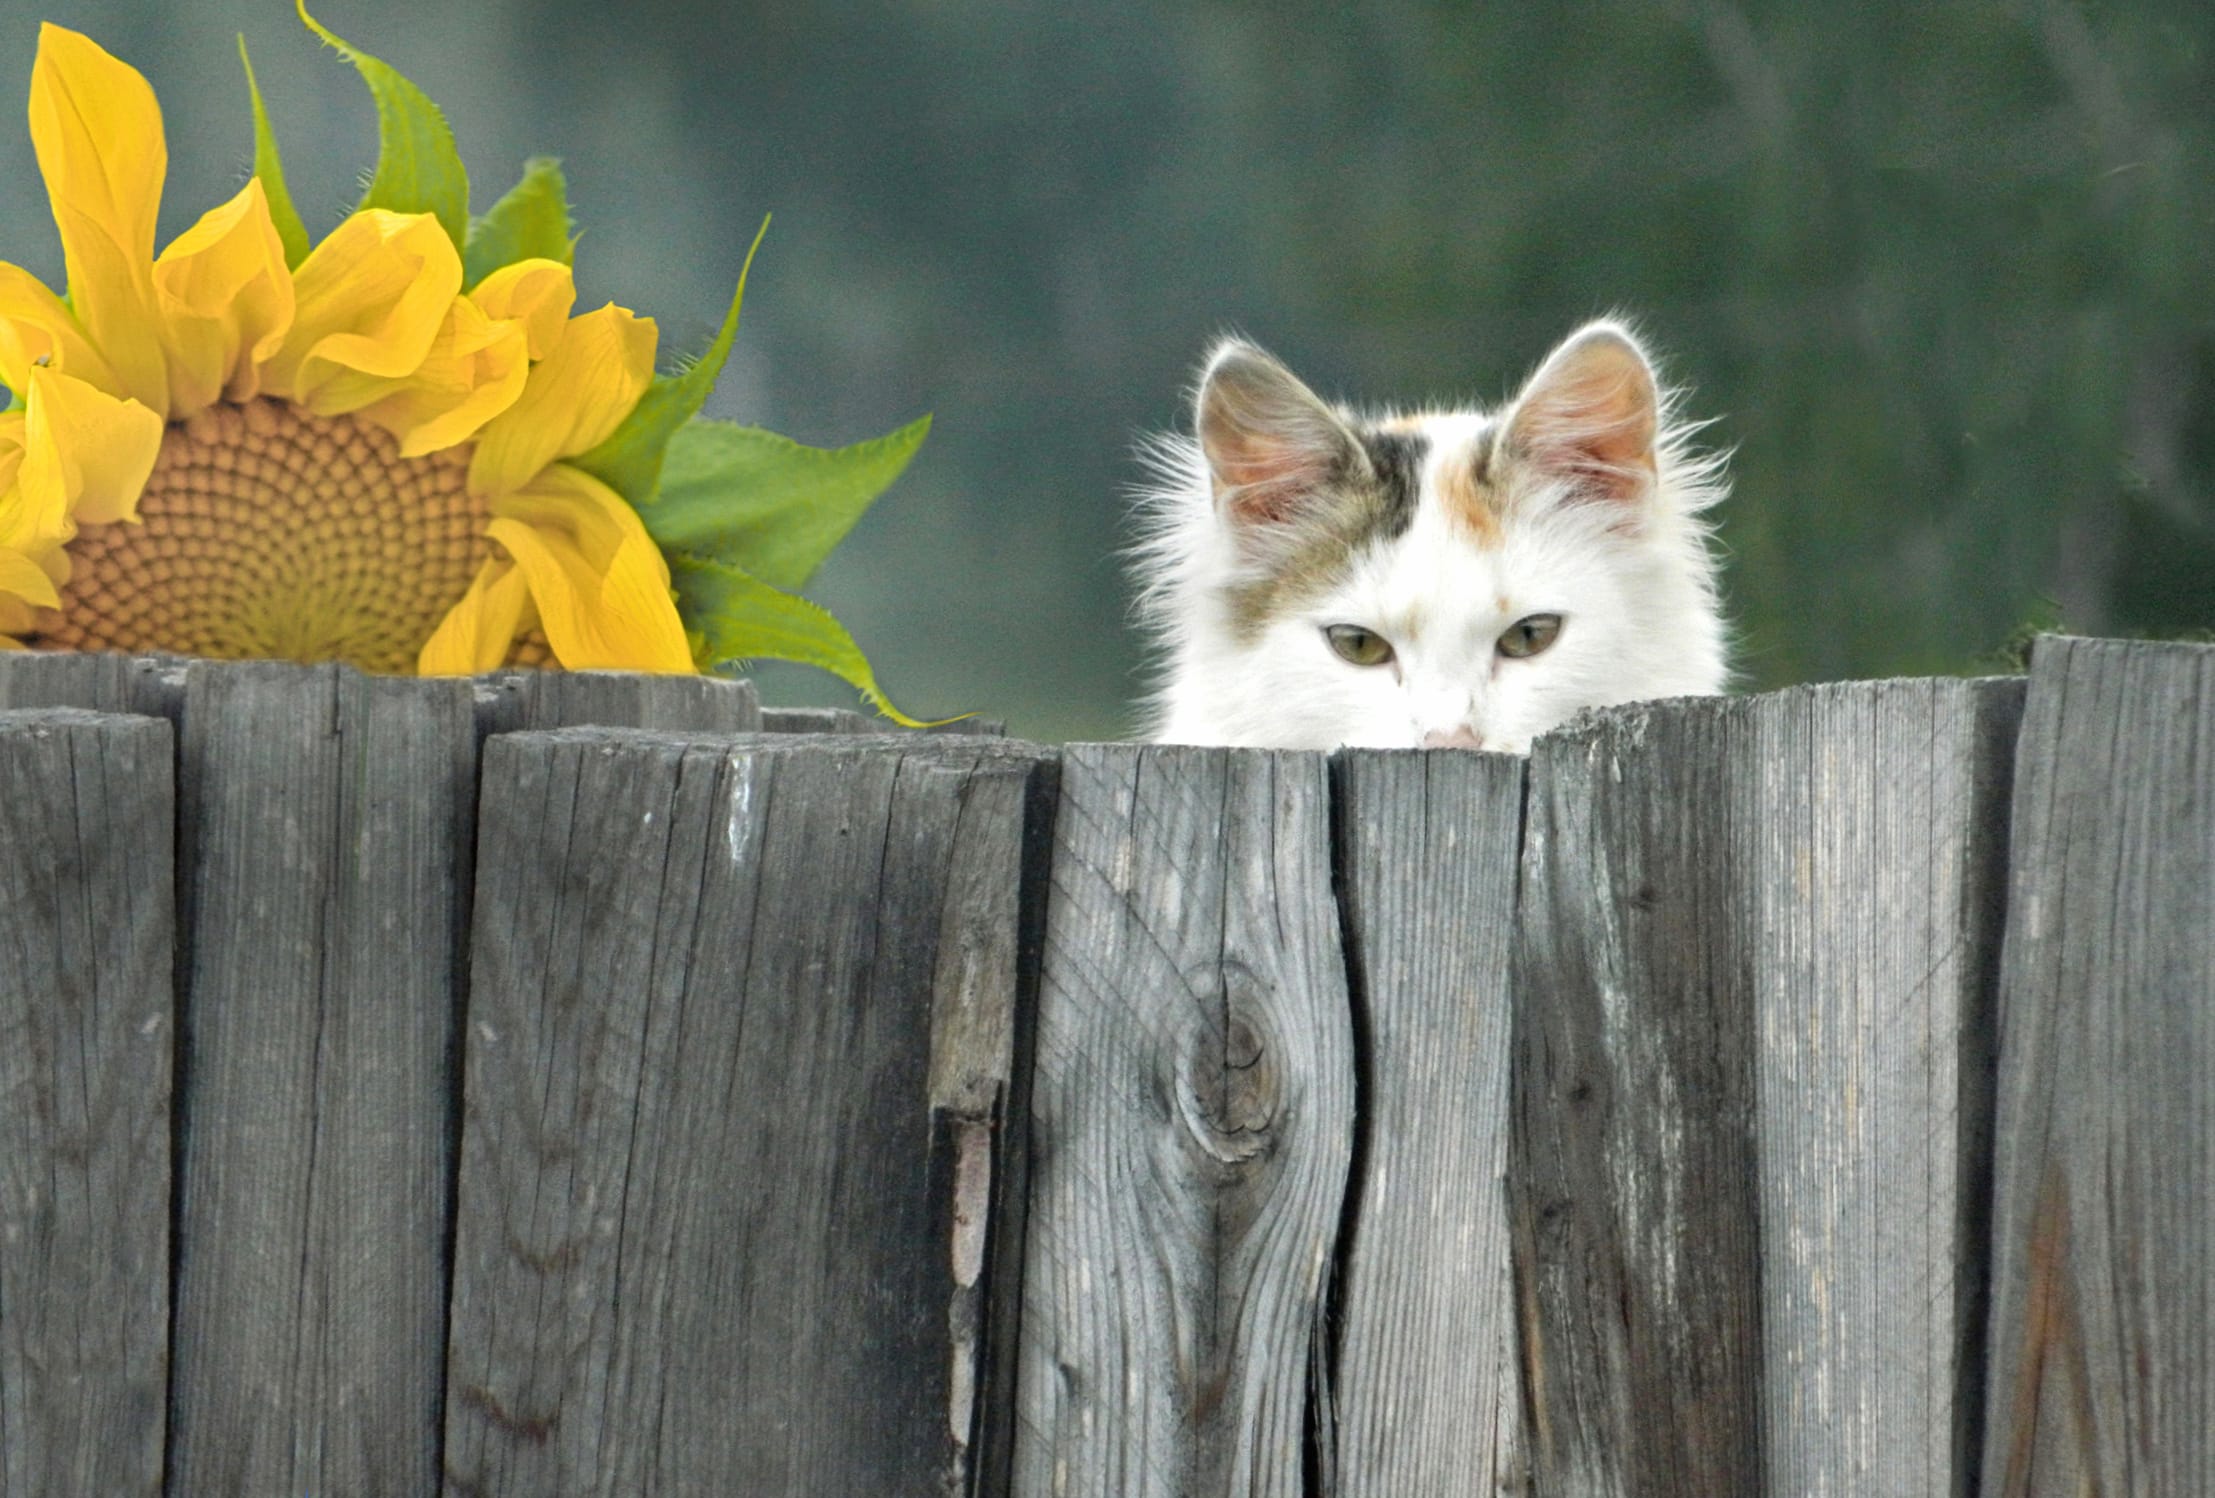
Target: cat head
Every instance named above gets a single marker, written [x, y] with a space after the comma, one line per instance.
[1320, 578]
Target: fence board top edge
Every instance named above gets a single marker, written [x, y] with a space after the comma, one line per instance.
[28, 719]
[931, 745]
[1634, 718]
[174, 668]
[2050, 650]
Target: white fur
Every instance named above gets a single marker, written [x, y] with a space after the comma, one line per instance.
[1633, 581]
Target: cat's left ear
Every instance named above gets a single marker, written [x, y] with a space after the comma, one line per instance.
[1589, 416]
[1272, 446]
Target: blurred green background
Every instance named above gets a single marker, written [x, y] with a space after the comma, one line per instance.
[1946, 275]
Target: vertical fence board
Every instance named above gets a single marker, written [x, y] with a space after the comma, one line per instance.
[1191, 1126]
[2103, 1325]
[1425, 1388]
[1754, 1028]
[984, 1001]
[326, 814]
[86, 1036]
[711, 1236]
[1633, 1179]
[1879, 818]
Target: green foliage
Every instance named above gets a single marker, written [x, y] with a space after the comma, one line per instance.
[2013, 656]
[530, 222]
[418, 169]
[766, 502]
[629, 462]
[733, 616]
[741, 514]
[270, 170]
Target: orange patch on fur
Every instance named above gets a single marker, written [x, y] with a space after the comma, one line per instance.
[1404, 424]
[1470, 502]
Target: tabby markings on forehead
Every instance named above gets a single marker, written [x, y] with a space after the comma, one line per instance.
[1396, 458]
[1356, 510]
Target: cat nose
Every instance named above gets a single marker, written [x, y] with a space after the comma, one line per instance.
[1463, 737]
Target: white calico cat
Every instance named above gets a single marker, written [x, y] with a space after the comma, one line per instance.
[1452, 578]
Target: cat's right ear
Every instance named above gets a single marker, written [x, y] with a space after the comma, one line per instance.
[1270, 442]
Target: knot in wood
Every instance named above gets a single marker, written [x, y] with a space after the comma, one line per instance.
[1232, 1083]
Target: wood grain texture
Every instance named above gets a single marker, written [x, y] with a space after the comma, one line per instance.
[820, 720]
[2103, 1316]
[516, 700]
[1192, 1120]
[1425, 1388]
[1754, 998]
[325, 816]
[736, 1022]
[86, 1038]
[152, 685]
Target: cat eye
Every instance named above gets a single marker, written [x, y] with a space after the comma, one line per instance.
[1362, 647]
[1530, 635]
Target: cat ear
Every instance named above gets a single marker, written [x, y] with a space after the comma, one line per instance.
[1270, 442]
[1589, 416]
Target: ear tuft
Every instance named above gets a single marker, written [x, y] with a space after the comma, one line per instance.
[1590, 415]
[1270, 442]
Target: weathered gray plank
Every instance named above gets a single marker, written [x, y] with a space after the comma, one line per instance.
[513, 700]
[1753, 991]
[2103, 1312]
[1191, 1123]
[326, 816]
[153, 685]
[972, 728]
[86, 1037]
[1425, 1388]
[741, 1034]
[820, 720]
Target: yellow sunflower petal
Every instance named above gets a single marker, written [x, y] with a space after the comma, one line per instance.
[578, 394]
[536, 293]
[25, 580]
[370, 299]
[12, 441]
[226, 298]
[600, 584]
[98, 134]
[477, 633]
[36, 327]
[86, 455]
[474, 371]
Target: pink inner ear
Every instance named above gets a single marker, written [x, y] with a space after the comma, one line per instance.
[1589, 416]
[1271, 446]
[1263, 477]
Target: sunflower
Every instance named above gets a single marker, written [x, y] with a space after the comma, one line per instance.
[401, 447]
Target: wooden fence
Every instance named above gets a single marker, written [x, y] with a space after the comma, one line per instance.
[552, 1085]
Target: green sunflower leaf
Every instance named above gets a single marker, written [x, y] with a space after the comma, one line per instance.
[629, 461]
[530, 222]
[737, 617]
[767, 503]
[418, 169]
[271, 171]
